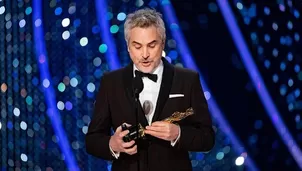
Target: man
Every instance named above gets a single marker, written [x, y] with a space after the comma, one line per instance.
[167, 90]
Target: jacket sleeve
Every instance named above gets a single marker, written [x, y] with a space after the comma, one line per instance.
[197, 133]
[98, 135]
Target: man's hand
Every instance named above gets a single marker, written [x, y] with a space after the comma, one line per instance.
[118, 145]
[163, 130]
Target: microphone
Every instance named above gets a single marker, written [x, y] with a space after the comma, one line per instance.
[147, 107]
[138, 86]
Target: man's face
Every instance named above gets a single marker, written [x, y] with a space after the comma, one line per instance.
[145, 48]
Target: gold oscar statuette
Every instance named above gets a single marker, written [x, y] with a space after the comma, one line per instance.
[175, 117]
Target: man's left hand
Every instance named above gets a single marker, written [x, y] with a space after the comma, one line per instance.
[163, 130]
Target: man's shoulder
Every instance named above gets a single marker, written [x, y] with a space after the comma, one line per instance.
[115, 73]
[185, 72]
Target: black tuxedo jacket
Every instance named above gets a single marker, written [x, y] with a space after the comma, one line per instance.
[115, 106]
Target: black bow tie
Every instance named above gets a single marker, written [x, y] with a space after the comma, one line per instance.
[152, 77]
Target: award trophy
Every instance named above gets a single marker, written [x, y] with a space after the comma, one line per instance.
[175, 117]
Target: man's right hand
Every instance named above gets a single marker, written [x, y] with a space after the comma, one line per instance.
[118, 145]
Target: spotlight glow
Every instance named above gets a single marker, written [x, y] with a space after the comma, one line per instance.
[2, 10]
[84, 41]
[24, 157]
[46, 83]
[23, 125]
[65, 35]
[60, 105]
[17, 112]
[239, 161]
[65, 22]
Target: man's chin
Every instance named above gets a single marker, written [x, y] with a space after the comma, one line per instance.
[146, 69]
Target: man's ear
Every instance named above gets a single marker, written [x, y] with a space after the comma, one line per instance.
[127, 43]
[163, 44]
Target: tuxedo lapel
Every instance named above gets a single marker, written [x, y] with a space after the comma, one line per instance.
[127, 79]
[165, 87]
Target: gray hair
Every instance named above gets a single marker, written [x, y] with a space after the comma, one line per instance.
[144, 18]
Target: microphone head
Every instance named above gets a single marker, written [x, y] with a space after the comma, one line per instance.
[138, 85]
[147, 107]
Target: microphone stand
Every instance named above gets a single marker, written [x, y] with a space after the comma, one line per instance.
[136, 97]
[138, 86]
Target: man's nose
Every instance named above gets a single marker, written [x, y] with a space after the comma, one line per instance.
[145, 53]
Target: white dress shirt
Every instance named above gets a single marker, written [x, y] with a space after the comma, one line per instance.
[151, 90]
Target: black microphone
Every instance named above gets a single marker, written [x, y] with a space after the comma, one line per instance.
[138, 86]
[147, 107]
